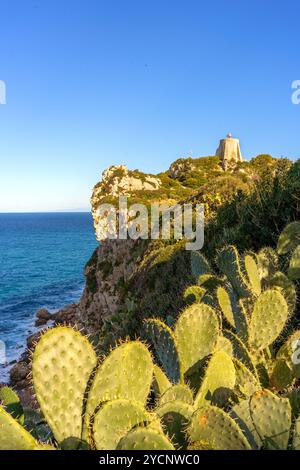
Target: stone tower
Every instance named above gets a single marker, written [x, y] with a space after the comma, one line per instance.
[229, 151]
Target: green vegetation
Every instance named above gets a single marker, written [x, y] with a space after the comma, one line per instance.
[222, 377]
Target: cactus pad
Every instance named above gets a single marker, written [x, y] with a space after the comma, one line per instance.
[229, 263]
[241, 415]
[288, 288]
[126, 373]
[240, 351]
[272, 419]
[199, 265]
[175, 416]
[162, 338]
[219, 381]
[213, 426]
[160, 382]
[267, 262]
[193, 294]
[223, 344]
[210, 282]
[289, 238]
[251, 270]
[281, 375]
[246, 382]
[62, 363]
[225, 305]
[268, 318]
[196, 334]
[114, 420]
[13, 436]
[145, 439]
[10, 400]
[177, 392]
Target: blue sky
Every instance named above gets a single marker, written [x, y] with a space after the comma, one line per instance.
[94, 83]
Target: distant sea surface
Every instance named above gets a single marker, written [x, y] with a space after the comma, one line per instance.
[42, 258]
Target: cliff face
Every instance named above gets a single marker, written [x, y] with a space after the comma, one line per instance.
[128, 280]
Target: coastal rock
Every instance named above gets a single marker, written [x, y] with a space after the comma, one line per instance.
[19, 372]
[32, 340]
[66, 315]
[43, 314]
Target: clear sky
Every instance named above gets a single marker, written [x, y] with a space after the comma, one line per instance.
[95, 83]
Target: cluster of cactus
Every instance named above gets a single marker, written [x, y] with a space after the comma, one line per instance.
[222, 377]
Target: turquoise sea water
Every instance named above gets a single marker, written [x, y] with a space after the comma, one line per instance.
[42, 257]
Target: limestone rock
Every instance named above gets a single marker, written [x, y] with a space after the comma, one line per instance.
[117, 181]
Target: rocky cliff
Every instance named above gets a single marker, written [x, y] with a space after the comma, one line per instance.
[129, 280]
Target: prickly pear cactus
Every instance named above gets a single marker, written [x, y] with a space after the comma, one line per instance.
[145, 439]
[114, 420]
[268, 318]
[252, 273]
[240, 351]
[281, 375]
[217, 429]
[13, 436]
[223, 344]
[196, 333]
[62, 364]
[160, 382]
[246, 383]
[225, 305]
[289, 238]
[10, 400]
[267, 263]
[271, 416]
[193, 294]
[229, 263]
[241, 415]
[126, 373]
[177, 392]
[163, 340]
[218, 382]
[175, 416]
[233, 310]
[287, 287]
[210, 282]
[199, 265]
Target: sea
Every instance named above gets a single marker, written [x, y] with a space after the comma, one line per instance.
[42, 259]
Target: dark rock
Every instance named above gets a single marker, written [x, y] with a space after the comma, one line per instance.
[19, 372]
[33, 339]
[41, 322]
[66, 315]
[43, 313]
